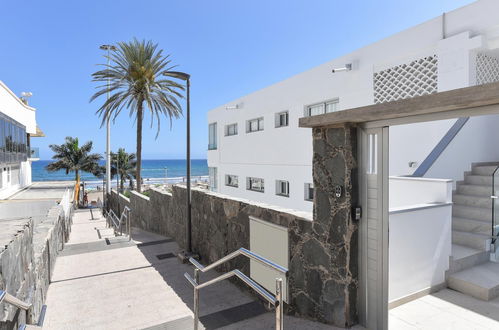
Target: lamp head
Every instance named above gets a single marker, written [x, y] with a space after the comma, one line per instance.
[178, 75]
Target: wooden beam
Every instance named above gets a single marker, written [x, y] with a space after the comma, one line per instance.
[457, 99]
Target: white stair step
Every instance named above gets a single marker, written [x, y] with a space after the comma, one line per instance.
[470, 212]
[478, 179]
[472, 240]
[484, 169]
[481, 282]
[464, 257]
[474, 189]
[471, 225]
[470, 200]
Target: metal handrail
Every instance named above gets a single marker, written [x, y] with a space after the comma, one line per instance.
[10, 299]
[14, 301]
[276, 300]
[240, 251]
[493, 196]
[117, 223]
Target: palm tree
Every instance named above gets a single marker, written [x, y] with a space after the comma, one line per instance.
[126, 165]
[70, 157]
[136, 80]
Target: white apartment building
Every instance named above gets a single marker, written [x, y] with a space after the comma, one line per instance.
[17, 126]
[257, 151]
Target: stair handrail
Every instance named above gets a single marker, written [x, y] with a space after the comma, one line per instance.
[493, 196]
[14, 301]
[276, 301]
[117, 223]
[8, 298]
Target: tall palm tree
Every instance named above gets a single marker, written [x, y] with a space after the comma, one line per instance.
[136, 80]
[126, 165]
[70, 157]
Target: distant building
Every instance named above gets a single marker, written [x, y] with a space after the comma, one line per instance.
[17, 127]
[257, 151]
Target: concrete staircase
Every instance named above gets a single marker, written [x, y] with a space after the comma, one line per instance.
[470, 270]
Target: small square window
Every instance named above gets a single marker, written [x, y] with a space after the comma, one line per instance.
[254, 125]
[309, 191]
[231, 180]
[282, 119]
[255, 184]
[231, 129]
[282, 188]
[321, 108]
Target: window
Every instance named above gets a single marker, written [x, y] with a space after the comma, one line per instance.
[309, 191]
[281, 119]
[282, 188]
[212, 138]
[231, 129]
[254, 125]
[212, 172]
[231, 180]
[255, 184]
[321, 108]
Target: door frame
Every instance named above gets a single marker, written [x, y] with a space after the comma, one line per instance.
[379, 158]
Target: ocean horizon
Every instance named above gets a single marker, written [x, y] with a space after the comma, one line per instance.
[152, 170]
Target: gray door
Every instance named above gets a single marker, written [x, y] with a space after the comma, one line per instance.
[373, 229]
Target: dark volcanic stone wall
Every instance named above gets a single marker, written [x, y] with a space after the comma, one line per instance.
[325, 282]
[323, 275]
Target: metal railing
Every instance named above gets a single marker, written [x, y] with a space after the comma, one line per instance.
[117, 223]
[276, 301]
[495, 214]
[10, 299]
[33, 152]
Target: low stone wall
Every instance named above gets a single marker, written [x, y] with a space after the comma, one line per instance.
[27, 262]
[220, 225]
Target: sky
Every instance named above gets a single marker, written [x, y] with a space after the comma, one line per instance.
[230, 47]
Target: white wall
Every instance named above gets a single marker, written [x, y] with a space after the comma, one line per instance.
[476, 142]
[12, 106]
[420, 235]
[408, 191]
[419, 251]
[282, 153]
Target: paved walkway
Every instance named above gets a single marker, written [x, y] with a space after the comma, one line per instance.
[45, 190]
[105, 282]
[446, 309]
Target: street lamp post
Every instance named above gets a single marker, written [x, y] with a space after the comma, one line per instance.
[108, 128]
[186, 77]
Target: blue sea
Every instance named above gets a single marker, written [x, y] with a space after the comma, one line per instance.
[153, 171]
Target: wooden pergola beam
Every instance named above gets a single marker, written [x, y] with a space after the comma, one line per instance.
[457, 99]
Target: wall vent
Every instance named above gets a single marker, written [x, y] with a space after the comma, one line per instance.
[487, 69]
[404, 81]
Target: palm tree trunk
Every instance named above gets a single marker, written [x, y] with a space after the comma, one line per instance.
[122, 182]
[139, 143]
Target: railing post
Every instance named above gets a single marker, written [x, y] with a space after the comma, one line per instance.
[196, 299]
[279, 305]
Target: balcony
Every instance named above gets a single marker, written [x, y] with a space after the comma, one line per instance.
[33, 153]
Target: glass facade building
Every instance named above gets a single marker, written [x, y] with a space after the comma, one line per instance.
[13, 141]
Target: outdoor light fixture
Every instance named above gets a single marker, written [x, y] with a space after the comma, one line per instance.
[347, 67]
[186, 77]
[108, 48]
[232, 107]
